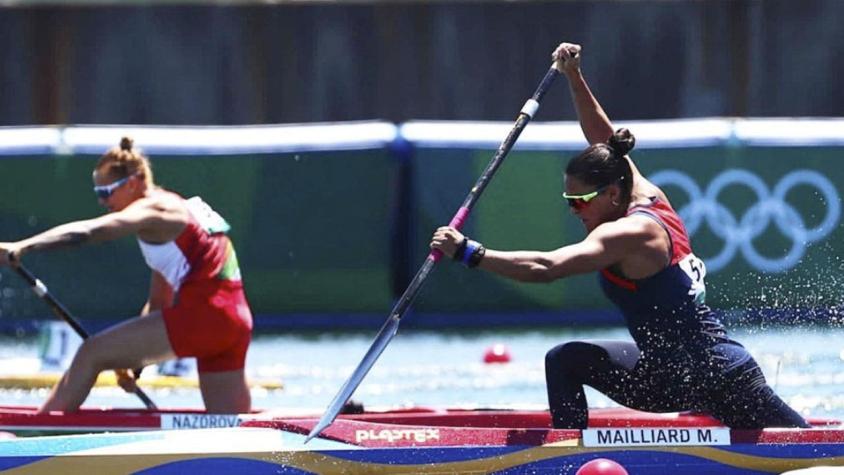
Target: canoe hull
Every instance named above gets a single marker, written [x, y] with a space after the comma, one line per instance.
[426, 441]
[261, 450]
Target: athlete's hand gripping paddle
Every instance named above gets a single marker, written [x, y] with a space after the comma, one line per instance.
[392, 324]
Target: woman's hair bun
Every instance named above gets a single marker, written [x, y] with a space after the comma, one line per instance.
[126, 144]
[622, 141]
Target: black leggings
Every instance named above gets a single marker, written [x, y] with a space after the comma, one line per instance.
[736, 395]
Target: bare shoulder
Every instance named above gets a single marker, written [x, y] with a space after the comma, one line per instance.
[158, 218]
[639, 224]
[166, 203]
[632, 224]
[159, 208]
[629, 230]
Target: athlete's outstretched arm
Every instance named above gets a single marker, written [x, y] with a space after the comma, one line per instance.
[606, 245]
[110, 226]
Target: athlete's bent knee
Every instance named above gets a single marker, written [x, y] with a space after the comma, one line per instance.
[564, 356]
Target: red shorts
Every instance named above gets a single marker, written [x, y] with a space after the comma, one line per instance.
[211, 321]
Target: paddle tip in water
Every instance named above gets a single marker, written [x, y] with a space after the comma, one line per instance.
[314, 432]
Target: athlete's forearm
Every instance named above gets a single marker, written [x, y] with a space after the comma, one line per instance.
[63, 236]
[524, 266]
[594, 122]
[586, 256]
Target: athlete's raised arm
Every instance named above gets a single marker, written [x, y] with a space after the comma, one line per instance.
[594, 122]
[596, 125]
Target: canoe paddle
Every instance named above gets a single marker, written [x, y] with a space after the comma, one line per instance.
[391, 326]
[41, 290]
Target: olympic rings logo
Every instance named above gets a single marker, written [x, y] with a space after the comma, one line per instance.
[739, 233]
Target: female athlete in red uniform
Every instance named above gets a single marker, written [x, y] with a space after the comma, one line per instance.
[681, 357]
[196, 304]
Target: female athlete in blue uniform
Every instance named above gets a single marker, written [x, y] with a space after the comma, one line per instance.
[681, 357]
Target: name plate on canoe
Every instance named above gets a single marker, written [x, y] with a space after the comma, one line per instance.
[653, 436]
[199, 421]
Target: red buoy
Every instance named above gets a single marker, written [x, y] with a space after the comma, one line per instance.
[497, 353]
[601, 467]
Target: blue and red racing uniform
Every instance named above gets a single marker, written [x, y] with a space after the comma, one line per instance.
[681, 357]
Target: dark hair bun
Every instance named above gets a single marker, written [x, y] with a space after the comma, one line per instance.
[126, 144]
[622, 141]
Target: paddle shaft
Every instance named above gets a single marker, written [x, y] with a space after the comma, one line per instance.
[391, 326]
[459, 218]
[59, 309]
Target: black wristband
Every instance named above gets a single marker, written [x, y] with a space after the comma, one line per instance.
[461, 249]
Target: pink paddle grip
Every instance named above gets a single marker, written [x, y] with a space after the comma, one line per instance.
[457, 223]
